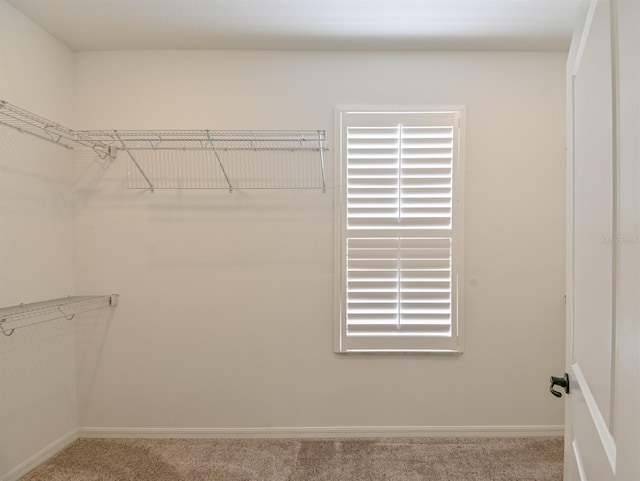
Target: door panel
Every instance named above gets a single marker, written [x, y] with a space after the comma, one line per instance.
[593, 212]
[602, 421]
[591, 249]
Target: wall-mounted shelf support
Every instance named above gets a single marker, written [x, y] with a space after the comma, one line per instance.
[215, 152]
[321, 150]
[24, 315]
[135, 162]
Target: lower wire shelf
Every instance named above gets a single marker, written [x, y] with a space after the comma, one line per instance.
[24, 315]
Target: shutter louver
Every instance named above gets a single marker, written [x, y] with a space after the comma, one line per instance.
[399, 231]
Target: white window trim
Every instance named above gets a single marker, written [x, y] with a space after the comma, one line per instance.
[403, 345]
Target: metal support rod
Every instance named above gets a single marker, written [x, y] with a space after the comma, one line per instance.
[135, 162]
[324, 184]
[215, 152]
[100, 148]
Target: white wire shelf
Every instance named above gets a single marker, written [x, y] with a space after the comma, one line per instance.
[24, 315]
[33, 124]
[220, 159]
[195, 159]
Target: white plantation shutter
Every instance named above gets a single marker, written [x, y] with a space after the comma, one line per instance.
[399, 240]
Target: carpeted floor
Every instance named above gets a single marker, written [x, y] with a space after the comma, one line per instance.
[416, 459]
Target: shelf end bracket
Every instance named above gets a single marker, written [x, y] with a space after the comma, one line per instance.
[215, 152]
[113, 299]
[135, 162]
[321, 148]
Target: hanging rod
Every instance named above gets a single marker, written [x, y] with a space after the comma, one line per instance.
[224, 140]
[33, 124]
[24, 315]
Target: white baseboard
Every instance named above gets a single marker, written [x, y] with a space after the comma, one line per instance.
[40, 457]
[324, 432]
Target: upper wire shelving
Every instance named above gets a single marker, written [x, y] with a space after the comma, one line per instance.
[226, 159]
[207, 159]
[33, 124]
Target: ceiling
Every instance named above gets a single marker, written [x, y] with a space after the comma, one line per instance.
[306, 24]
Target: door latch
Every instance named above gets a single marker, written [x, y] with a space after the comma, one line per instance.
[563, 382]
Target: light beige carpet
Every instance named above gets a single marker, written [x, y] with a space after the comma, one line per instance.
[416, 459]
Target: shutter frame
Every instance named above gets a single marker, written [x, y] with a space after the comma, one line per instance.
[423, 208]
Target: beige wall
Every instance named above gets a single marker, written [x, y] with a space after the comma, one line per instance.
[38, 377]
[225, 318]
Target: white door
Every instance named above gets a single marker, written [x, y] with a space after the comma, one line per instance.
[602, 432]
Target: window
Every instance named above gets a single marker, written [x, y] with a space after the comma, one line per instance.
[399, 231]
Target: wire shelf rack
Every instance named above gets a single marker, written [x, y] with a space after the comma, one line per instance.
[221, 159]
[33, 124]
[24, 315]
[195, 159]
[229, 170]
